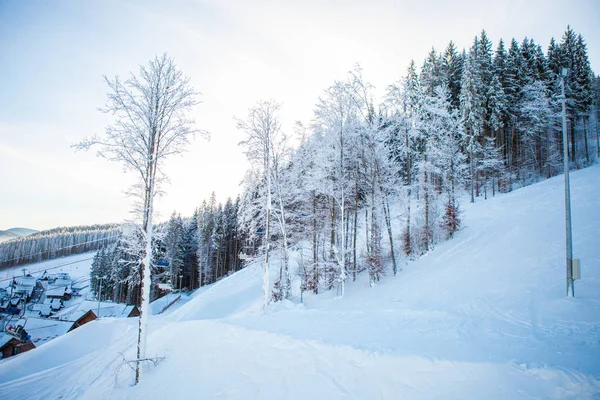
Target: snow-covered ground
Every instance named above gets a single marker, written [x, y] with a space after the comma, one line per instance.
[172, 301]
[77, 266]
[483, 316]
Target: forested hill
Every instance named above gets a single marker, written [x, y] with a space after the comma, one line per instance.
[373, 184]
[57, 242]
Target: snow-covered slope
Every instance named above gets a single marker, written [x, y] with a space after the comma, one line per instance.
[481, 316]
[77, 266]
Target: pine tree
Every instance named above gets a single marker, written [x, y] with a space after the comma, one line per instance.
[190, 249]
[431, 72]
[534, 124]
[204, 252]
[174, 247]
[528, 61]
[554, 60]
[485, 70]
[101, 271]
[497, 104]
[452, 64]
[583, 93]
[568, 60]
[472, 109]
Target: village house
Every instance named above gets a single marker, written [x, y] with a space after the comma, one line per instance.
[9, 346]
[58, 287]
[58, 292]
[108, 309]
[23, 286]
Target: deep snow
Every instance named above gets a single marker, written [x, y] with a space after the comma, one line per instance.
[483, 315]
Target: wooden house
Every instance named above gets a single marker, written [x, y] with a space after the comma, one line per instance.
[9, 346]
[86, 317]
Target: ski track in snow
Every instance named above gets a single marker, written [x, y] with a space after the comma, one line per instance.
[483, 315]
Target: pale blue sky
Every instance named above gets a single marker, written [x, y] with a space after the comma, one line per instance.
[53, 55]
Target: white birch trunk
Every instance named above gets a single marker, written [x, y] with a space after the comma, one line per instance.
[285, 277]
[342, 206]
[266, 283]
[146, 271]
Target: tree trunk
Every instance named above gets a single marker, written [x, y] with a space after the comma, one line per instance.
[585, 139]
[407, 243]
[342, 213]
[284, 275]
[426, 198]
[354, 236]
[145, 267]
[315, 244]
[572, 130]
[388, 222]
[332, 230]
[471, 171]
[266, 284]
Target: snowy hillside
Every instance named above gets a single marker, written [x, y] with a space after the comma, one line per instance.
[77, 266]
[483, 315]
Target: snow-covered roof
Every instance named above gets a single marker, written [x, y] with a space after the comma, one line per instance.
[56, 291]
[4, 338]
[24, 289]
[44, 310]
[45, 329]
[25, 280]
[76, 314]
[61, 282]
[107, 309]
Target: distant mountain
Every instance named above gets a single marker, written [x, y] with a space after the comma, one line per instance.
[6, 235]
[14, 233]
[22, 231]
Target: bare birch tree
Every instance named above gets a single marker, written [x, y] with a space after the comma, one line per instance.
[151, 124]
[263, 132]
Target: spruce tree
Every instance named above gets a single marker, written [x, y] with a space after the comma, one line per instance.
[452, 72]
[431, 72]
[472, 109]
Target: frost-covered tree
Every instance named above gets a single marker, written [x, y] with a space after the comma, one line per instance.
[472, 111]
[431, 72]
[452, 64]
[336, 121]
[174, 246]
[151, 123]
[534, 120]
[190, 249]
[206, 222]
[263, 133]
[405, 100]
[490, 166]
[101, 270]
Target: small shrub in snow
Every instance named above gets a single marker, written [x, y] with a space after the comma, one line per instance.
[451, 221]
